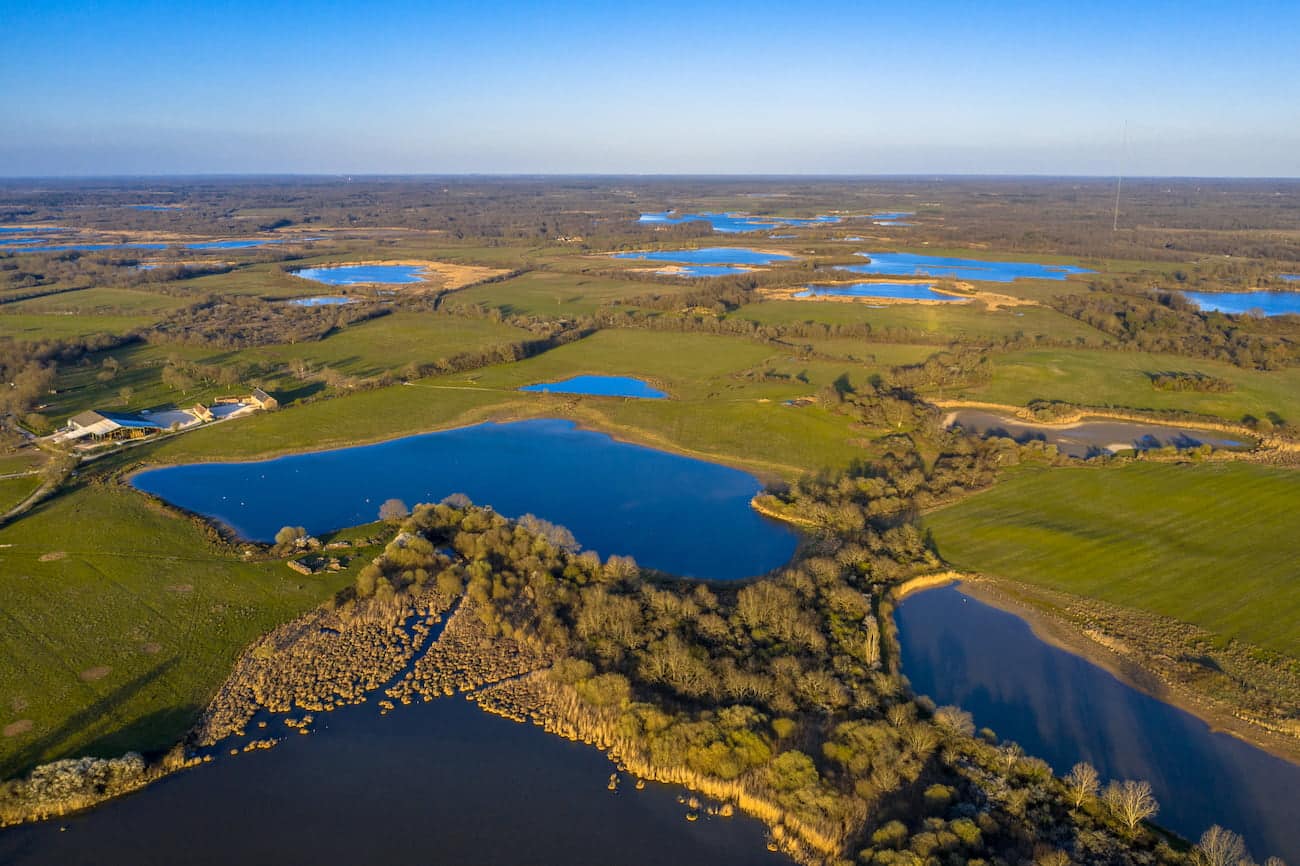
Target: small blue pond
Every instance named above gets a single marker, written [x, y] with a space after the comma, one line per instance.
[734, 222]
[1064, 709]
[157, 207]
[1291, 278]
[709, 256]
[893, 215]
[353, 275]
[604, 386]
[322, 301]
[669, 512]
[901, 291]
[1236, 303]
[910, 264]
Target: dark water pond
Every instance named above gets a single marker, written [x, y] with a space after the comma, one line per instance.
[1089, 438]
[1064, 709]
[603, 386]
[351, 275]
[435, 783]
[899, 291]
[911, 264]
[1236, 303]
[671, 513]
[709, 256]
[734, 222]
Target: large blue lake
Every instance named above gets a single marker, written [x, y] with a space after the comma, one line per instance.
[669, 512]
[1064, 709]
[734, 222]
[433, 784]
[352, 275]
[709, 256]
[900, 291]
[602, 386]
[1236, 303]
[911, 264]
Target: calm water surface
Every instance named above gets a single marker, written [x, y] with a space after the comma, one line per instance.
[701, 271]
[901, 291]
[199, 245]
[429, 784]
[1064, 709]
[1088, 438]
[734, 222]
[1236, 303]
[672, 513]
[910, 264]
[709, 256]
[351, 275]
[604, 386]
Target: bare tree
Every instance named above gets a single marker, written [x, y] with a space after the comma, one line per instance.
[1131, 801]
[1219, 847]
[1081, 783]
[393, 510]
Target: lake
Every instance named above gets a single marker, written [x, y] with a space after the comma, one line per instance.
[352, 275]
[1236, 303]
[899, 291]
[603, 386]
[1089, 438]
[322, 301]
[911, 264]
[1064, 709]
[709, 256]
[431, 783]
[734, 222]
[669, 512]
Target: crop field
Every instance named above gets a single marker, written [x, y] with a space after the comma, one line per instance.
[1123, 379]
[1197, 543]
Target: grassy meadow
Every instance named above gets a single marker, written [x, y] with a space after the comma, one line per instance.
[120, 621]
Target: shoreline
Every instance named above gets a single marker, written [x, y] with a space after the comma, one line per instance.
[1263, 447]
[1060, 632]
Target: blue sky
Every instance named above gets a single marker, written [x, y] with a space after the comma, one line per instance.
[667, 87]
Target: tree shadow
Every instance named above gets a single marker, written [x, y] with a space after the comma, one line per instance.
[103, 708]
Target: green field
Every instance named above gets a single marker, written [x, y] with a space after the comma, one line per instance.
[15, 490]
[715, 409]
[366, 349]
[67, 326]
[98, 302]
[556, 293]
[935, 322]
[1203, 544]
[119, 622]
[1122, 379]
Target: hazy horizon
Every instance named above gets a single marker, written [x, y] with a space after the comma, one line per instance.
[509, 88]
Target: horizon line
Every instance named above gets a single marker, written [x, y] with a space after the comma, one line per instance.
[337, 175]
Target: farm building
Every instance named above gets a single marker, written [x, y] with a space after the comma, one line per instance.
[108, 425]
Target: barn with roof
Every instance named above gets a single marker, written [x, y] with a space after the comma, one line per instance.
[108, 425]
